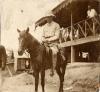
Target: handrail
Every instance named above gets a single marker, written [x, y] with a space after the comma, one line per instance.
[82, 21]
[85, 28]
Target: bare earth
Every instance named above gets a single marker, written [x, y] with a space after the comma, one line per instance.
[79, 77]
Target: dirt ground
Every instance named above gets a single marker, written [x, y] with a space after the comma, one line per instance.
[79, 77]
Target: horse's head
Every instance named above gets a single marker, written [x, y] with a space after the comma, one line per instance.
[23, 40]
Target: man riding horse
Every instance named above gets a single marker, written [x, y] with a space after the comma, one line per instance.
[38, 56]
[51, 33]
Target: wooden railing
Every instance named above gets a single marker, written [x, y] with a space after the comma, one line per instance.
[82, 29]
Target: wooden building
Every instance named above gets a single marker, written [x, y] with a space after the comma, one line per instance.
[80, 36]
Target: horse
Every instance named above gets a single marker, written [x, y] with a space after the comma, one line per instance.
[3, 57]
[29, 43]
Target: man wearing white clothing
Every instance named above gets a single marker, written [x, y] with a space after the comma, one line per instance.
[51, 33]
[91, 12]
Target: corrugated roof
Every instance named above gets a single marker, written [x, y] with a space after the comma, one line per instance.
[66, 2]
[58, 8]
[47, 9]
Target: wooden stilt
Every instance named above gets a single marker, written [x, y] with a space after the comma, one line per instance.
[72, 54]
[72, 47]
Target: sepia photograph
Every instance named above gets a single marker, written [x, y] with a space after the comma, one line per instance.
[49, 45]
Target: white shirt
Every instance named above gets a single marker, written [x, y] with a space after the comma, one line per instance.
[91, 13]
[51, 30]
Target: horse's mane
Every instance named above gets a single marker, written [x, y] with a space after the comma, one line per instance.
[33, 39]
[34, 46]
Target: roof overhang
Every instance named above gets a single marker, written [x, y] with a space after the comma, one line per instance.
[65, 3]
[54, 10]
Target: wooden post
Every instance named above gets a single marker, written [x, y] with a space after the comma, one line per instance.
[72, 47]
[72, 54]
[71, 27]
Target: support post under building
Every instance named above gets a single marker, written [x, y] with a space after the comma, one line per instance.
[72, 54]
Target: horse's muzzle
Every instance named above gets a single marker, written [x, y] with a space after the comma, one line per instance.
[20, 53]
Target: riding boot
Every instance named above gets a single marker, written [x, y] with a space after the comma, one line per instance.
[51, 60]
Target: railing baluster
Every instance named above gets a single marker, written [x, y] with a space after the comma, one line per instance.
[70, 33]
[82, 30]
[97, 20]
[91, 29]
[65, 35]
[85, 27]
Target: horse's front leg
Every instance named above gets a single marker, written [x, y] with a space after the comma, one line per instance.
[63, 74]
[36, 74]
[63, 70]
[43, 79]
[61, 79]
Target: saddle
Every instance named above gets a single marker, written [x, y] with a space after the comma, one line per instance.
[48, 55]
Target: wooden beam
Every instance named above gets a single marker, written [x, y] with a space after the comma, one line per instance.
[80, 41]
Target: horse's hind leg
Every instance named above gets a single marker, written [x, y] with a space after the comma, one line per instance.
[63, 71]
[43, 80]
[63, 74]
[36, 80]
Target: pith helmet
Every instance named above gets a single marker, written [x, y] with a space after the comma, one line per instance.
[50, 14]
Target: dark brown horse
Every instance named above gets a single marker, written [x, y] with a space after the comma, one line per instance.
[38, 61]
[3, 57]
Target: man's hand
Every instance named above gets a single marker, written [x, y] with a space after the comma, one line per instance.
[45, 41]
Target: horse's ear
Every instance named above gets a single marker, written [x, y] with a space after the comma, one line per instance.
[27, 30]
[18, 30]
